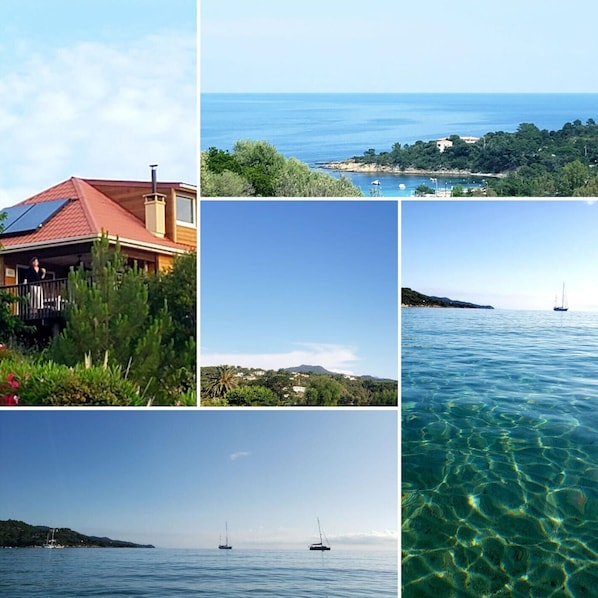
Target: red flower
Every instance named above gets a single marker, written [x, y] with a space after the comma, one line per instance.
[12, 381]
[9, 400]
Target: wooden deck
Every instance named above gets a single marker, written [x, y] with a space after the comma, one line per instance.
[40, 304]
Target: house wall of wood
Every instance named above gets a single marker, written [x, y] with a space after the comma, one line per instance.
[131, 199]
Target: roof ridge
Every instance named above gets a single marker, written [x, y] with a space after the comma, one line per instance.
[81, 195]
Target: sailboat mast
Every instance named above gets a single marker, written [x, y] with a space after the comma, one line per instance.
[319, 530]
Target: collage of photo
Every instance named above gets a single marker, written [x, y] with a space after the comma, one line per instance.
[278, 279]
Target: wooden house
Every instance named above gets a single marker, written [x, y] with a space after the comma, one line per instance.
[153, 222]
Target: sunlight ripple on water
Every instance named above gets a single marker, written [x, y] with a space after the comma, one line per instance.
[163, 573]
[499, 453]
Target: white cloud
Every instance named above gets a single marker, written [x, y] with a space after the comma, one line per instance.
[336, 358]
[371, 538]
[97, 111]
[239, 455]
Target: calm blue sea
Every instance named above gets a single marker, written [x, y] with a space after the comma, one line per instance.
[161, 573]
[499, 453]
[318, 128]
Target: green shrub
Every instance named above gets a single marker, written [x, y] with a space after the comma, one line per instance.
[53, 384]
[246, 396]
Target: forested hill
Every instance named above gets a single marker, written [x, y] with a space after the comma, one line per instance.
[17, 534]
[301, 386]
[536, 162]
[411, 298]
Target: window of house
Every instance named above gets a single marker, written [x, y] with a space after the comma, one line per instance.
[185, 210]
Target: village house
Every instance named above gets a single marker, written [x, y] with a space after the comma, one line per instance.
[445, 142]
[153, 222]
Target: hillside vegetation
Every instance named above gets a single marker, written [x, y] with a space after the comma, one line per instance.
[256, 169]
[18, 534]
[302, 386]
[534, 162]
[411, 298]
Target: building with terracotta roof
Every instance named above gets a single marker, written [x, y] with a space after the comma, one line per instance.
[153, 222]
[152, 225]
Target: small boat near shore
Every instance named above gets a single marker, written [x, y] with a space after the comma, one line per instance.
[51, 542]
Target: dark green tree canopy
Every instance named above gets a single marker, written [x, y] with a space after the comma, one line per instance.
[255, 168]
[530, 161]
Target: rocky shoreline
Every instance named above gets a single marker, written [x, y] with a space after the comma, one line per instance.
[353, 166]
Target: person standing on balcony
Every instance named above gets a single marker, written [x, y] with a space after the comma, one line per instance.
[33, 277]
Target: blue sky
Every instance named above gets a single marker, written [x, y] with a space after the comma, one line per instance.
[510, 254]
[291, 282]
[172, 478]
[391, 46]
[96, 89]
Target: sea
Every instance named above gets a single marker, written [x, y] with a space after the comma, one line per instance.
[165, 573]
[319, 128]
[499, 453]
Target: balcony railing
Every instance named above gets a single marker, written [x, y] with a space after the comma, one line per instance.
[45, 300]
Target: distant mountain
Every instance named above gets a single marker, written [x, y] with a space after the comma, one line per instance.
[376, 379]
[318, 369]
[22, 535]
[411, 298]
[310, 369]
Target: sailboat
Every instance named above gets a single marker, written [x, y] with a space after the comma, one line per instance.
[51, 542]
[320, 545]
[563, 306]
[226, 545]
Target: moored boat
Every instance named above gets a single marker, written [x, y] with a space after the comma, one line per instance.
[320, 545]
[563, 305]
[51, 542]
[226, 545]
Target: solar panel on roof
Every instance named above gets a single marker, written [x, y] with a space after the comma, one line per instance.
[33, 218]
[13, 214]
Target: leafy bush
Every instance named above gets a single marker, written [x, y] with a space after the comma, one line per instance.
[323, 391]
[257, 396]
[11, 326]
[255, 168]
[50, 383]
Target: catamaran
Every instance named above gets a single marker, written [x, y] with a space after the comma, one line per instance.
[562, 306]
[226, 545]
[320, 545]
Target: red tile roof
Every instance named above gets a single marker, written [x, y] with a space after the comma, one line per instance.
[87, 214]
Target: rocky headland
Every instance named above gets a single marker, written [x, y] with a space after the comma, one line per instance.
[18, 534]
[411, 298]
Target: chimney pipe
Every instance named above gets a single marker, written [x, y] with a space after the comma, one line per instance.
[155, 208]
[154, 181]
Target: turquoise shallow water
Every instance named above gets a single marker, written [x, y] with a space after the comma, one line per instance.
[161, 573]
[499, 453]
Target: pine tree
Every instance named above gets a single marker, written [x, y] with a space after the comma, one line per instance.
[108, 318]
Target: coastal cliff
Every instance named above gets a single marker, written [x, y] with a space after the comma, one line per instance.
[411, 298]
